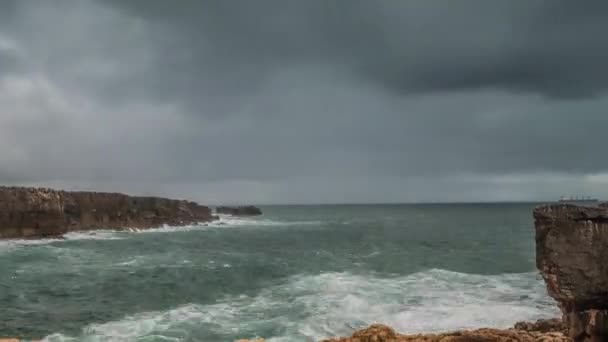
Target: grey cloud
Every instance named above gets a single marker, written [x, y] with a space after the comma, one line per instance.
[295, 100]
[8, 61]
[554, 48]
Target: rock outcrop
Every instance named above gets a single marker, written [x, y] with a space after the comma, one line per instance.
[381, 333]
[38, 212]
[542, 325]
[248, 210]
[572, 256]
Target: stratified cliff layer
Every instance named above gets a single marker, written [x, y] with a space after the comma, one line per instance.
[37, 212]
[572, 256]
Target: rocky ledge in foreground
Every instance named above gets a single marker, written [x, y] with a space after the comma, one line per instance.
[572, 256]
[550, 330]
[247, 210]
[40, 212]
[545, 331]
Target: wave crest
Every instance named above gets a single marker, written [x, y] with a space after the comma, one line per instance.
[311, 307]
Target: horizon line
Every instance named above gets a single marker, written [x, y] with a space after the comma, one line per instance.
[405, 203]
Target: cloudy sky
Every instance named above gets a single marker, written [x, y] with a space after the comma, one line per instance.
[306, 101]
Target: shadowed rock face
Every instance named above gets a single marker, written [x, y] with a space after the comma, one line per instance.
[572, 256]
[34, 212]
[239, 211]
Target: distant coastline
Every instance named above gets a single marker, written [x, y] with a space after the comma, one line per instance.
[42, 212]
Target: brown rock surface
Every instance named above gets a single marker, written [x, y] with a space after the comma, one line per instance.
[38, 212]
[572, 256]
[381, 333]
[542, 325]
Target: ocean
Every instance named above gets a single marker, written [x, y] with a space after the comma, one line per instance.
[297, 273]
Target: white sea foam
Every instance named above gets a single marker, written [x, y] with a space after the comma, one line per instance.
[228, 221]
[167, 229]
[12, 244]
[435, 300]
[145, 324]
[308, 308]
[237, 221]
[93, 235]
[225, 221]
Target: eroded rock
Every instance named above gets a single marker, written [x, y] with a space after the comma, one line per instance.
[542, 325]
[382, 333]
[37, 212]
[572, 256]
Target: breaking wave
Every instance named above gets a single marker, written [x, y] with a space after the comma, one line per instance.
[311, 307]
[12, 244]
[225, 221]
[236, 221]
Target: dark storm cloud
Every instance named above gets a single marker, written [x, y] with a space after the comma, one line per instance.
[554, 48]
[293, 100]
[8, 61]
[7, 9]
[8, 58]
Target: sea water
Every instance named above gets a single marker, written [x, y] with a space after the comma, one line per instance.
[297, 273]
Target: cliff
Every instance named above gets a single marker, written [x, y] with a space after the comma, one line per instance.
[572, 256]
[37, 212]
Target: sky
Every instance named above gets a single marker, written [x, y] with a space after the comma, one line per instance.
[306, 101]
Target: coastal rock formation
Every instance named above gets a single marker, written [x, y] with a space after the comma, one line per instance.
[544, 330]
[542, 325]
[572, 256]
[37, 212]
[381, 333]
[248, 210]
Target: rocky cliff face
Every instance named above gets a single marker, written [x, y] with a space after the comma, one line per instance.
[572, 256]
[34, 212]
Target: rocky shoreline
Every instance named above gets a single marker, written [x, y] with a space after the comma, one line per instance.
[41, 213]
[572, 257]
[550, 330]
[541, 331]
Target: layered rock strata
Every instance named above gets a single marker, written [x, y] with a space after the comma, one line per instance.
[572, 256]
[40, 212]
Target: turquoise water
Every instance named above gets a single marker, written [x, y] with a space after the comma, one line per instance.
[297, 273]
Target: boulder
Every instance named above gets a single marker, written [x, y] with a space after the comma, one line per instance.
[572, 256]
